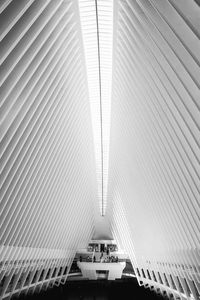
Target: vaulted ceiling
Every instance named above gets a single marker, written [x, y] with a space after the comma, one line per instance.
[100, 129]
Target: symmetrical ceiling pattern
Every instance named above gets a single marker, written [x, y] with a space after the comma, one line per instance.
[57, 62]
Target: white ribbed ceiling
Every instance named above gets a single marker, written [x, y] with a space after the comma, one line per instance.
[154, 171]
[100, 108]
[47, 164]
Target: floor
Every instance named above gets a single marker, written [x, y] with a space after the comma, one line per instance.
[96, 290]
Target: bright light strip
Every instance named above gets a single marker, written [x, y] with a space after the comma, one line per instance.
[90, 41]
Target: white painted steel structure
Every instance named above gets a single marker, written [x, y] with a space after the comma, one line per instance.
[47, 164]
[49, 179]
[154, 171]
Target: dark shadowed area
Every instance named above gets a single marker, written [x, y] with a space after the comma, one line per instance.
[96, 290]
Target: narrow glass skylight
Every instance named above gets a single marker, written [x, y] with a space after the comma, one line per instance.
[97, 30]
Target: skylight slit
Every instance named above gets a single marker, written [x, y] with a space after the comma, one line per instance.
[98, 35]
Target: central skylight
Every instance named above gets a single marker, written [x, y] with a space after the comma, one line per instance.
[97, 30]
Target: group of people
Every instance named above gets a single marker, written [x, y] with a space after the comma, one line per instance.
[106, 258]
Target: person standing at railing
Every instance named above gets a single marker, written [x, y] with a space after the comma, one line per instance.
[108, 251]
